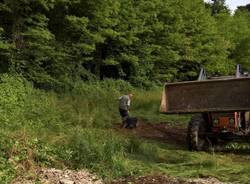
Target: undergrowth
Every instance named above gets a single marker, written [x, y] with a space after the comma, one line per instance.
[75, 130]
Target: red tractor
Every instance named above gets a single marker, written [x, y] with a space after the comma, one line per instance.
[221, 106]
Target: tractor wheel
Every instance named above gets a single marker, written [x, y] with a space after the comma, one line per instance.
[196, 138]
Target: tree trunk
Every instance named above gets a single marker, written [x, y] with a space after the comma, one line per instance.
[17, 29]
[98, 61]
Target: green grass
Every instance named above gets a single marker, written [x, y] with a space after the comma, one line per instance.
[146, 105]
[187, 164]
[75, 130]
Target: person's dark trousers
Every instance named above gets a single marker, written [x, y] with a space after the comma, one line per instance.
[124, 115]
[131, 122]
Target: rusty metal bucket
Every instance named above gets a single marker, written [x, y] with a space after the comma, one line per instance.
[218, 95]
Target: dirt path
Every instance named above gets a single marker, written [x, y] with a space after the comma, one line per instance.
[56, 176]
[166, 180]
[163, 132]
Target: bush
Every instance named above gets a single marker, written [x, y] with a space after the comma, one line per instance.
[42, 111]
[7, 171]
[14, 92]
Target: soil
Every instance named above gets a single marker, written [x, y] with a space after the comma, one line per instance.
[160, 179]
[148, 180]
[56, 176]
[162, 132]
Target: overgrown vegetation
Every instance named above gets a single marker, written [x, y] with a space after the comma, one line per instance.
[74, 130]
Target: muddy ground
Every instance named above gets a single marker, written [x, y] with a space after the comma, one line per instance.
[166, 180]
[163, 132]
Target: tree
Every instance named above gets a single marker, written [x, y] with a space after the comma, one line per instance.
[34, 55]
[219, 6]
[191, 41]
[241, 31]
[57, 42]
[5, 53]
[247, 7]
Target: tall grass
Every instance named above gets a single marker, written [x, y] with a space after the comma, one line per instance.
[75, 130]
[146, 105]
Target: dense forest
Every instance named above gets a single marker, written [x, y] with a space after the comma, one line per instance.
[56, 42]
[65, 63]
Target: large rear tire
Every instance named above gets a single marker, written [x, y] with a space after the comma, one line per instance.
[196, 137]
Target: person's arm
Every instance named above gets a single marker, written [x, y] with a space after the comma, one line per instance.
[128, 104]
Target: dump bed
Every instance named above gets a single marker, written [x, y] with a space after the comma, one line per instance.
[218, 95]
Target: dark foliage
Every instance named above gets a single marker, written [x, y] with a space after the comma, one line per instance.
[54, 43]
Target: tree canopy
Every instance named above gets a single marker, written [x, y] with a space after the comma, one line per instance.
[54, 42]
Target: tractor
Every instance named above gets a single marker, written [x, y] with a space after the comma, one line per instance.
[220, 106]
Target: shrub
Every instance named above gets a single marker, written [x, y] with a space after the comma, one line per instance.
[14, 92]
